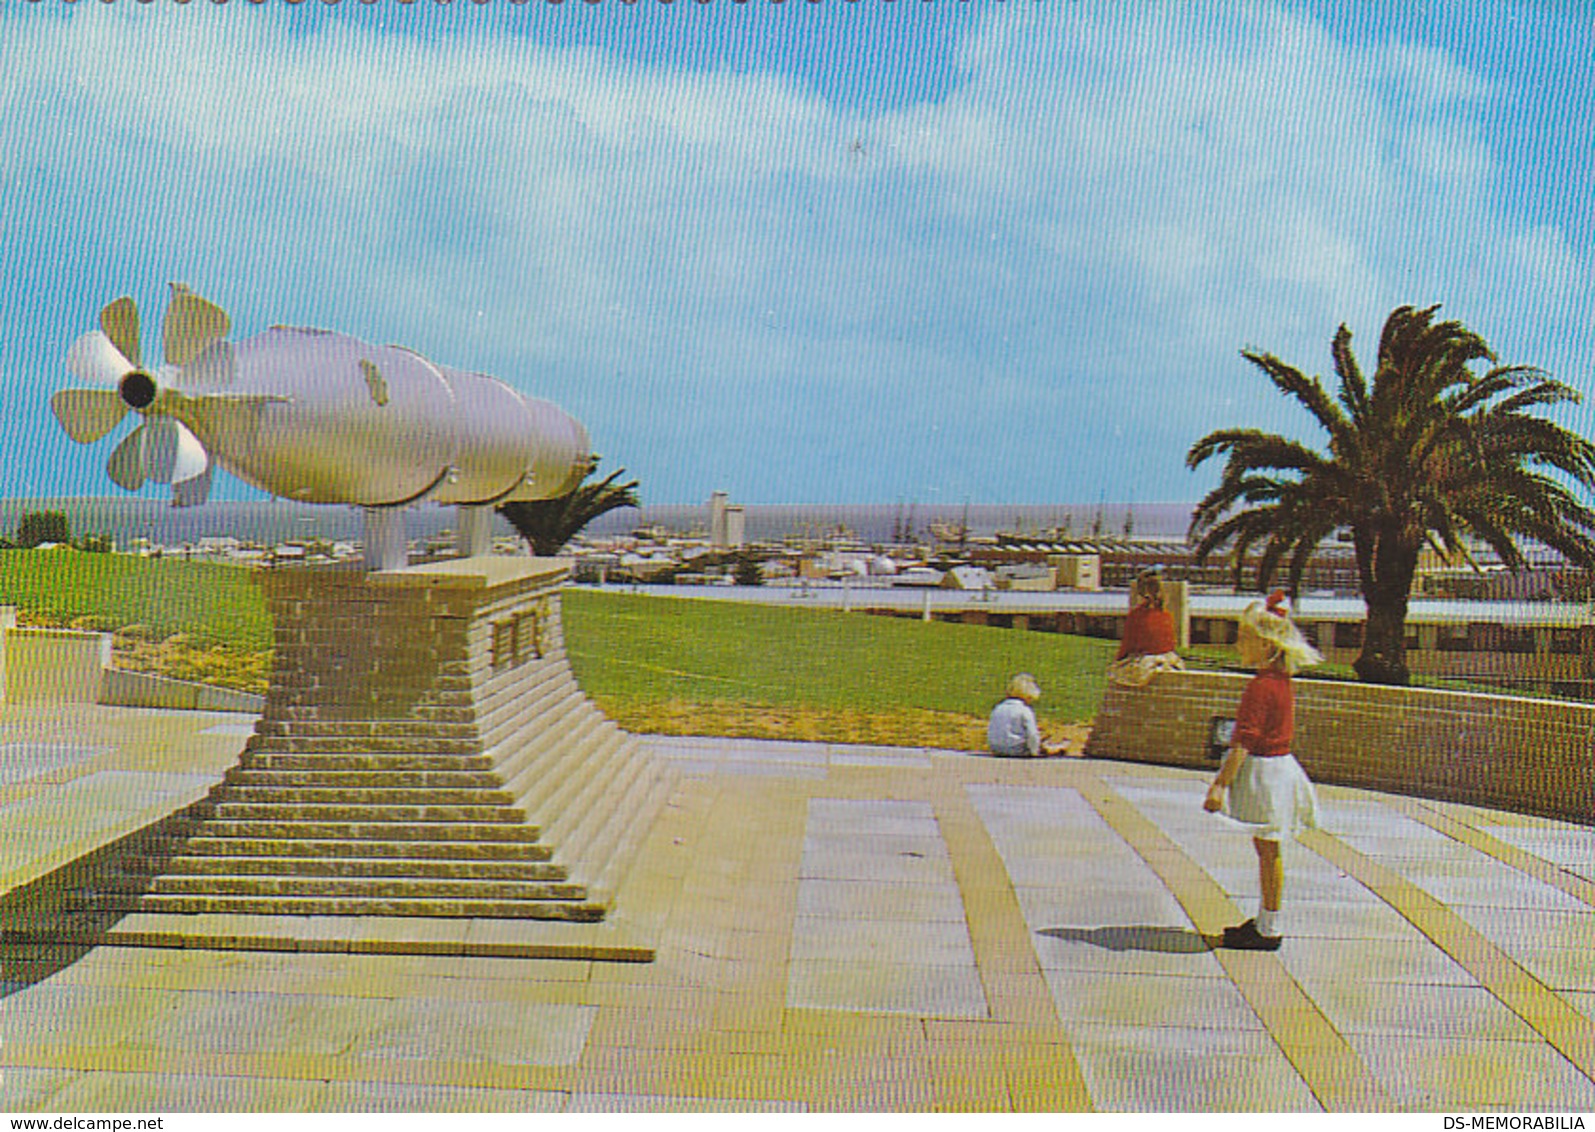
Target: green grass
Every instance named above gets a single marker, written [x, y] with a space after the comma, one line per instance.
[654, 664]
[667, 665]
[210, 604]
[629, 649]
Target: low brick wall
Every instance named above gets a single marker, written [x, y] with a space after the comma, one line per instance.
[1504, 752]
[54, 665]
[73, 666]
[121, 688]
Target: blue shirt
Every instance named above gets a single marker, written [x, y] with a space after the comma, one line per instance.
[1012, 730]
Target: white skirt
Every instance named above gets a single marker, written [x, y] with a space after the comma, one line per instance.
[1273, 797]
[1137, 671]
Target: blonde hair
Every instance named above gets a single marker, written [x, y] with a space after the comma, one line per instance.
[1024, 687]
[1149, 585]
[1269, 623]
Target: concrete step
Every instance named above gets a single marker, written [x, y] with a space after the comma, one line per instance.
[605, 774]
[366, 779]
[584, 771]
[368, 762]
[442, 728]
[613, 792]
[235, 811]
[352, 796]
[618, 848]
[346, 849]
[332, 865]
[373, 888]
[502, 714]
[540, 739]
[373, 830]
[404, 745]
[607, 834]
[579, 911]
[556, 756]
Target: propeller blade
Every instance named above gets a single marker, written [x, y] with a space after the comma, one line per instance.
[192, 326]
[160, 448]
[210, 372]
[126, 465]
[191, 493]
[191, 460]
[87, 414]
[95, 358]
[172, 454]
[119, 320]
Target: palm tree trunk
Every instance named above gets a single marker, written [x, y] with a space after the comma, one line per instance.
[1384, 645]
[1387, 567]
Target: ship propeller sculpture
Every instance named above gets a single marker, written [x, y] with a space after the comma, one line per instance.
[162, 448]
[310, 415]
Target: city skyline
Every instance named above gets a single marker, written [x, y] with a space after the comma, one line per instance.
[821, 253]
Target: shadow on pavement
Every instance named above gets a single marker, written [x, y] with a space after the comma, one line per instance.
[1136, 937]
[51, 923]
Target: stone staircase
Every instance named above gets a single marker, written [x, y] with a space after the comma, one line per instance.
[496, 791]
[418, 833]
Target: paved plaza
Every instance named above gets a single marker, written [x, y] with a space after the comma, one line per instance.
[845, 928]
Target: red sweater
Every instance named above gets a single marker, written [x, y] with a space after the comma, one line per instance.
[1148, 631]
[1265, 723]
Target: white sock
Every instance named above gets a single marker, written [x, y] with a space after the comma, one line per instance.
[1267, 922]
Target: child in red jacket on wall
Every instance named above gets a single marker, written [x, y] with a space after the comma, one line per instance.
[1267, 788]
[1147, 645]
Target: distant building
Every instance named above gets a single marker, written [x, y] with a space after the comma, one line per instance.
[1076, 571]
[727, 522]
[968, 578]
[1027, 577]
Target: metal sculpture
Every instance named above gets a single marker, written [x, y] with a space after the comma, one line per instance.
[314, 416]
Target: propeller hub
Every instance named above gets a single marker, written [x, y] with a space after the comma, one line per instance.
[138, 390]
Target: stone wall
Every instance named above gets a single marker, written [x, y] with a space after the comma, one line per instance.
[426, 645]
[53, 665]
[121, 688]
[1525, 755]
[73, 666]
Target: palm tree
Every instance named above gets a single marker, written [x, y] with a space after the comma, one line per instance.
[548, 524]
[1427, 453]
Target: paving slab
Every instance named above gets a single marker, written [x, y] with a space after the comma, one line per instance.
[833, 929]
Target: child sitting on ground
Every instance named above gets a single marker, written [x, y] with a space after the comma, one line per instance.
[1012, 730]
[1268, 790]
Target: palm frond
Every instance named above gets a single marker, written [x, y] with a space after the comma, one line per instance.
[1353, 386]
[1307, 390]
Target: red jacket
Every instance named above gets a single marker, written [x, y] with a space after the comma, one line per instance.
[1148, 631]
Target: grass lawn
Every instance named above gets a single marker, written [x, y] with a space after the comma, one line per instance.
[688, 666]
[187, 620]
[659, 665]
[209, 604]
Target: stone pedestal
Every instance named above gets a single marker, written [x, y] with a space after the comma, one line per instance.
[424, 751]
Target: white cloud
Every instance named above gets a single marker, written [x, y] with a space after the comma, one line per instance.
[1105, 207]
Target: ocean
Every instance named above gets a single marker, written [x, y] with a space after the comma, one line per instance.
[275, 521]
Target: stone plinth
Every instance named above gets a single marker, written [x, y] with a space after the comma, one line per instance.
[423, 751]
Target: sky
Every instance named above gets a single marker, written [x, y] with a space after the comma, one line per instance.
[855, 251]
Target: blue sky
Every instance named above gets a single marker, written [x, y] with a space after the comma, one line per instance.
[835, 252]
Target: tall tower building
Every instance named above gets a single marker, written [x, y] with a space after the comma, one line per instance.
[718, 503]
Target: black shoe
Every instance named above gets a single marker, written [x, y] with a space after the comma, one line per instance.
[1246, 937]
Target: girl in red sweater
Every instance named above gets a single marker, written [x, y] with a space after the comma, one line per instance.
[1268, 790]
[1148, 642]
